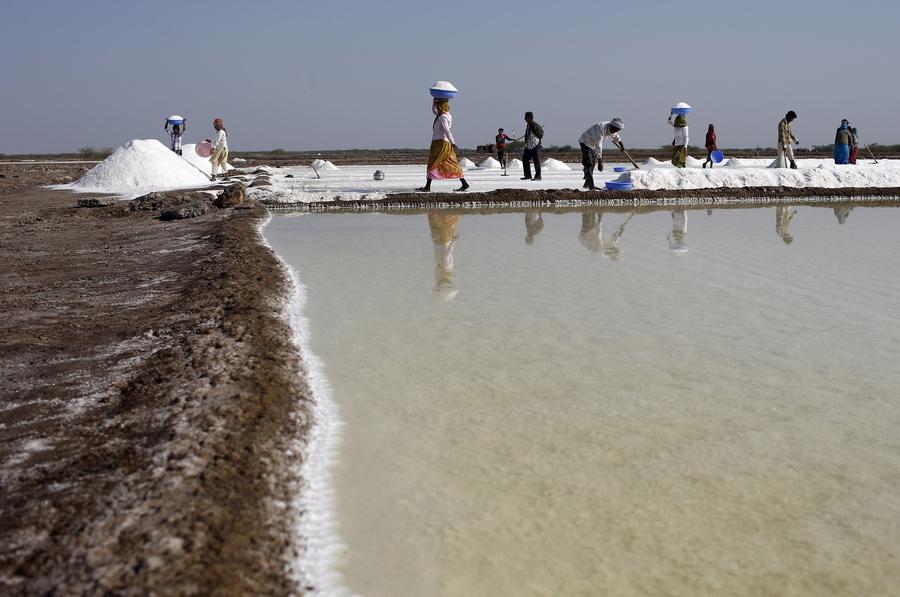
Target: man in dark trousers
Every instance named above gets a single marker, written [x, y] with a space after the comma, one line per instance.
[533, 135]
[500, 141]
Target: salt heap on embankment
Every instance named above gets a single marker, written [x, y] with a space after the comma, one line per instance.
[323, 165]
[144, 164]
[514, 163]
[466, 164]
[189, 153]
[489, 164]
[553, 164]
[822, 176]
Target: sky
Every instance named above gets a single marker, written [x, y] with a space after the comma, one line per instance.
[341, 74]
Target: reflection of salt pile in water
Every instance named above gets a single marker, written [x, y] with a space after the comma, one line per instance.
[466, 164]
[489, 164]
[554, 165]
[323, 165]
[140, 164]
[514, 163]
[190, 154]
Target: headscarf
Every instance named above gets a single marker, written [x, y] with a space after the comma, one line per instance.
[712, 128]
[681, 121]
[442, 105]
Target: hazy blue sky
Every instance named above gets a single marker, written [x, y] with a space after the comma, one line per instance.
[342, 74]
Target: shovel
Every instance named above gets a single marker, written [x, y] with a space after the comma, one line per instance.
[633, 163]
[870, 152]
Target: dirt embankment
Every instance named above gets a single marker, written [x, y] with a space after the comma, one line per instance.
[149, 401]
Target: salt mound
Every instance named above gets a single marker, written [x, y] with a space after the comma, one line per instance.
[514, 163]
[824, 176]
[554, 165]
[190, 154]
[140, 164]
[489, 164]
[692, 162]
[466, 163]
[654, 163]
[733, 163]
[323, 165]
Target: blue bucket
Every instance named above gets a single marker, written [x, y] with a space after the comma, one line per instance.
[615, 185]
[681, 111]
[172, 121]
[717, 156]
[619, 169]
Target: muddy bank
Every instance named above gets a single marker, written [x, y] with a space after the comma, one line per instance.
[521, 198]
[149, 401]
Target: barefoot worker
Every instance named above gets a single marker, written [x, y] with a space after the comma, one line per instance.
[680, 142]
[843, 139]
[786, 139]
[442, 162]
[500, 141]
[533, 135]
[710, 145]
[591, 143]
[219, 155]
[176, 126]
[854, 144]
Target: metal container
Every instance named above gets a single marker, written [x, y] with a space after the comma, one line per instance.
[379, 175]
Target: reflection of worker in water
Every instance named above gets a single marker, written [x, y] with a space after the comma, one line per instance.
[783, 217]
[591, 235]
[534, 223]
[842, 212]
[443, 235]
[679, 232]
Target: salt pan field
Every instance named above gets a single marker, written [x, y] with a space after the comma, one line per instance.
[663, 403]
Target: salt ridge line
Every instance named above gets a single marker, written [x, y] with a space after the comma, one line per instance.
[315, 526]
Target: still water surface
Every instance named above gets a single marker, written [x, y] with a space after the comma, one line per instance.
[667, 403]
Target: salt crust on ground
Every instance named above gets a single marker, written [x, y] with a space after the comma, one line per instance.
[355, 182]
[140, 164]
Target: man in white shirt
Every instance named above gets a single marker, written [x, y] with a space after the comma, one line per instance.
[591, 142]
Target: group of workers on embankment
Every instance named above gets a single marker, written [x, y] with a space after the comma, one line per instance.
[443, 162]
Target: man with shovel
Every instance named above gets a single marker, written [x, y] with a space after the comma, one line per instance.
[591, 142]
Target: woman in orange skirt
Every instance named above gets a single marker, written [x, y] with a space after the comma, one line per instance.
[442, 162]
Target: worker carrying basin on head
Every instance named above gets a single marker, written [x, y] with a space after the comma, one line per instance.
[175, 127]
[591, 142]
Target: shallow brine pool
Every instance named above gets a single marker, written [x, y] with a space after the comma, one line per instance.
[662, 403]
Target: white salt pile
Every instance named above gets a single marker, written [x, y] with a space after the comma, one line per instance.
[323, 165]
[144, 164]
[654, 163]
[514, 163]
[189, 153]
[489, 164]
[553, 164]
[692, 162]
[822, 176]
[466, 164]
